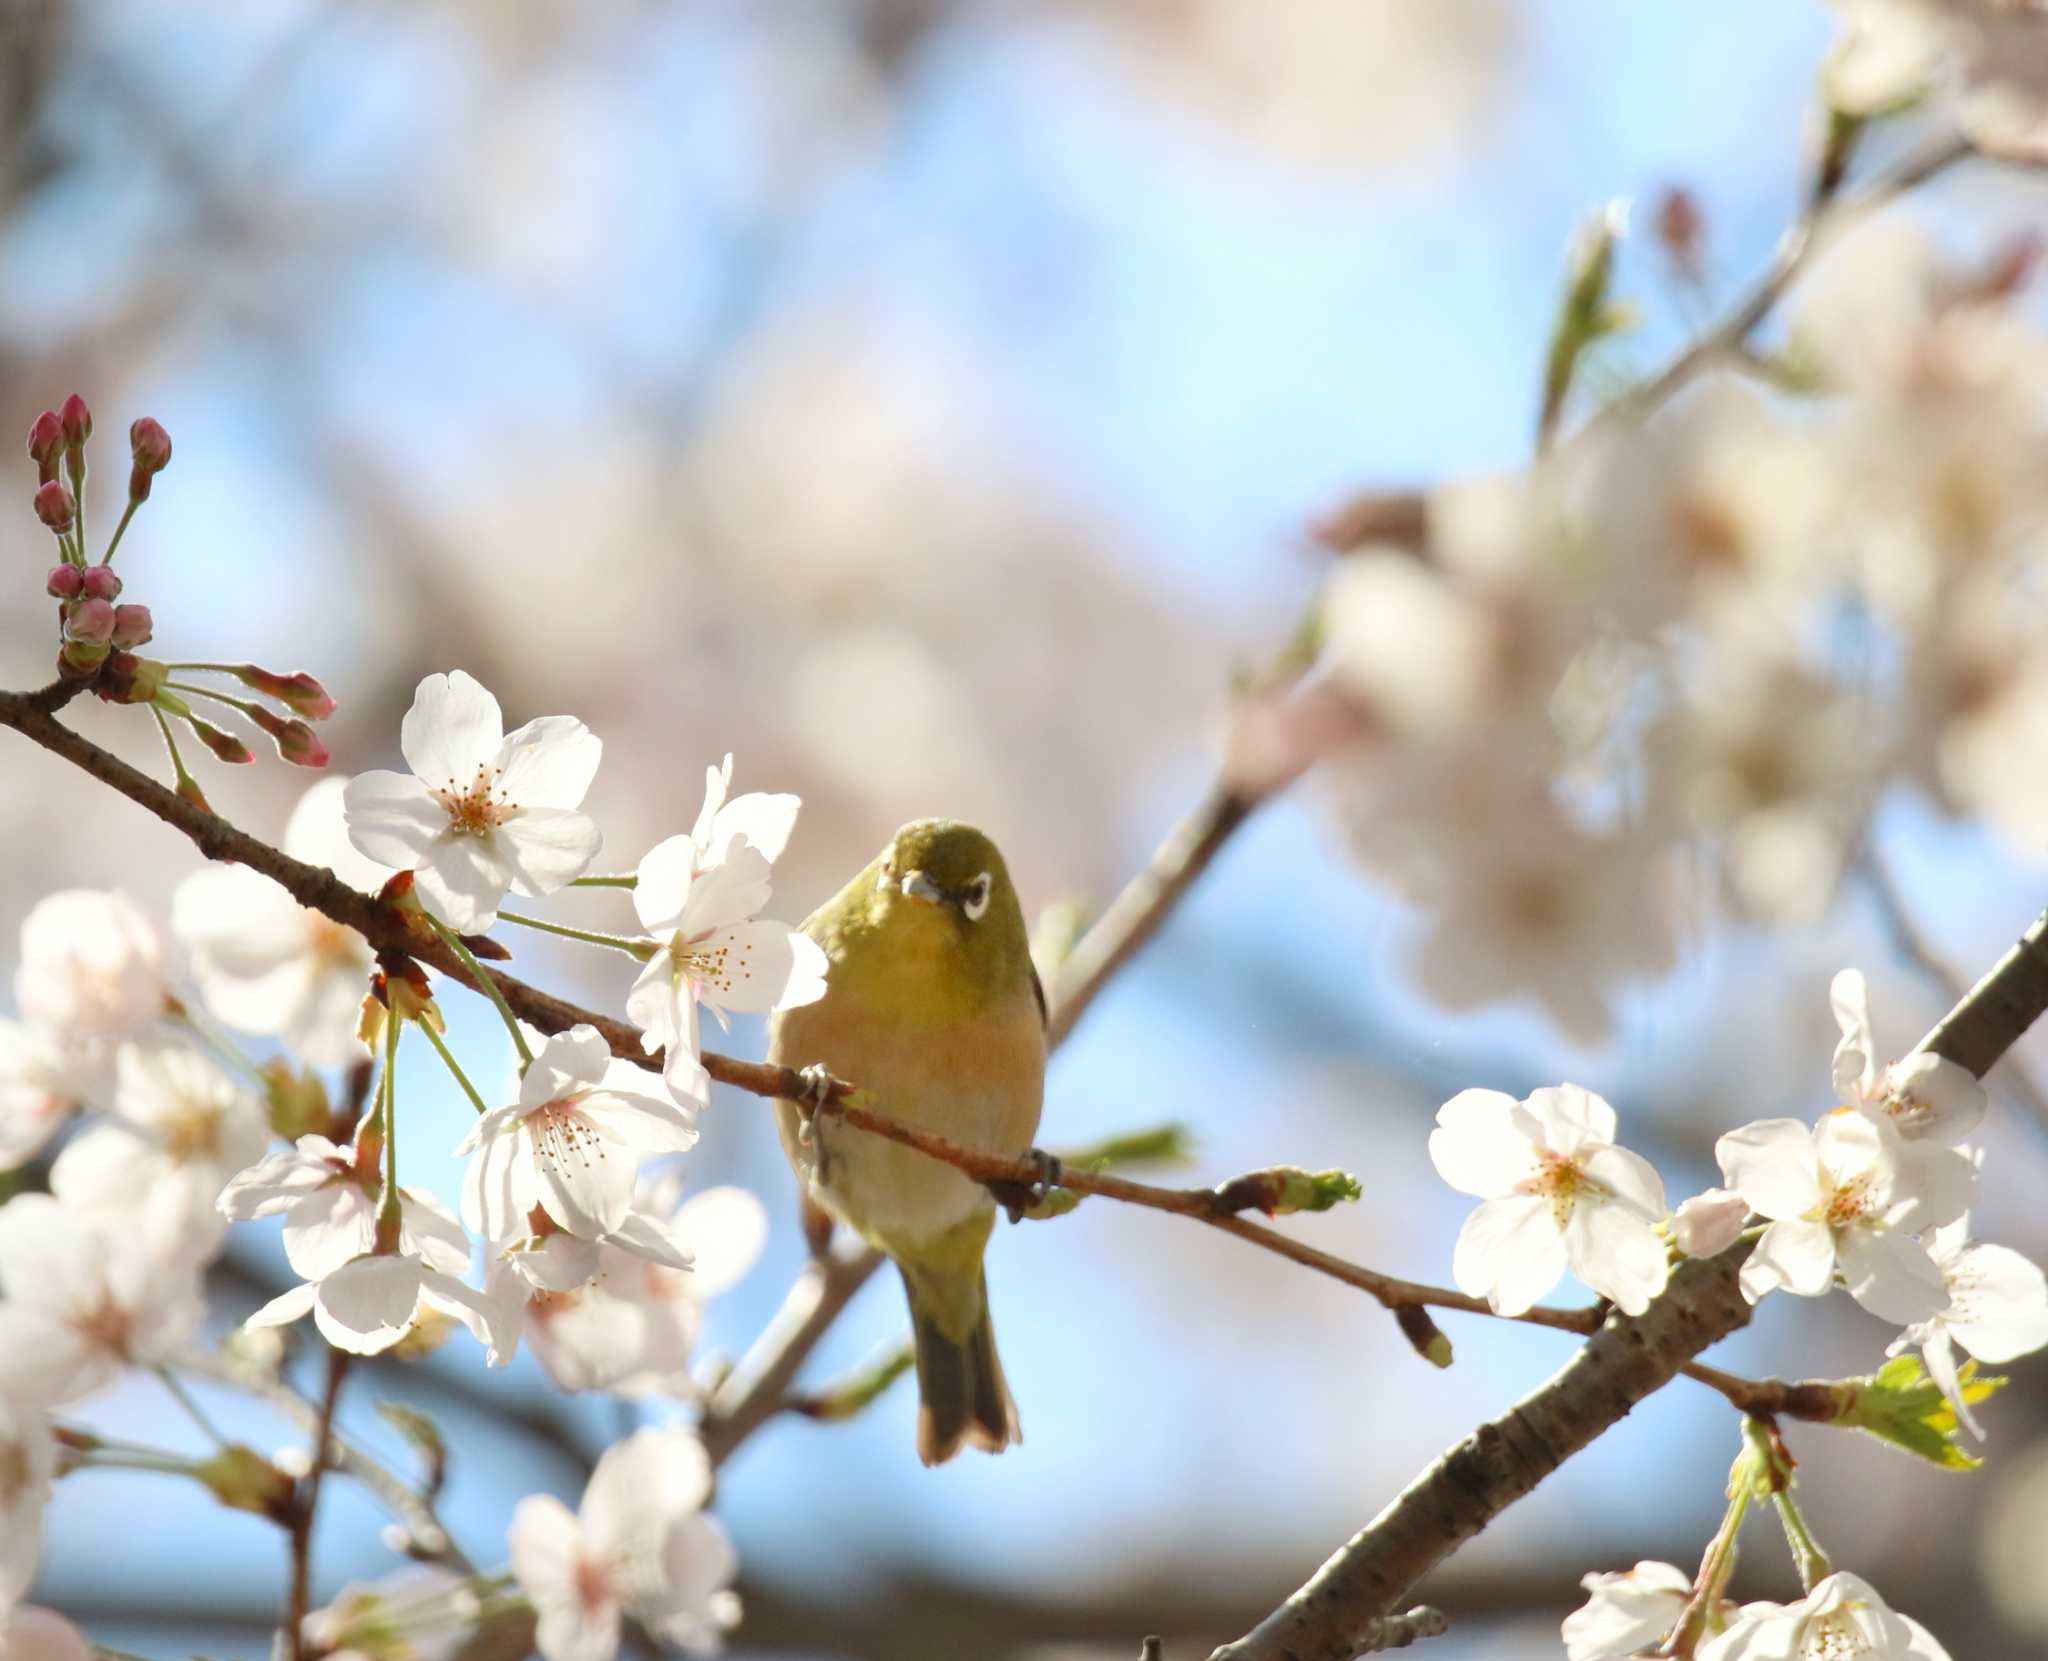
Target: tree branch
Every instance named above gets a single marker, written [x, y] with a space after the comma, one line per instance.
[1625, 1361]
[305, 1506]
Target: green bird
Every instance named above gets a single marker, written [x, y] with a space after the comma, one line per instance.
[932, 1004]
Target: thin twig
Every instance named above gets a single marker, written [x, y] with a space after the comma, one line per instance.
[306, 1506]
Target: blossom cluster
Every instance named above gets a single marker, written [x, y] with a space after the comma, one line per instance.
[570, 1192]
[1708, 638]
[1873, 1197]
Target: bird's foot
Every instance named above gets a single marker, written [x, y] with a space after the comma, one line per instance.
[1017, 1198]
[816, 1092]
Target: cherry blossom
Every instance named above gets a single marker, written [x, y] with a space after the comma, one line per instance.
[699, 897]
[1926, 1096]
[180, 1128]
[43, 1081]
[1841, 1616]
[84, 1297]
[28, 1462]
[1841, 1199]
[1997, 1310]
[92, 965]
[1557, 1191]
[570, 1147]
[419, 1613]
[373, 1300]
[631, 1327]
[639, 1545]
[483, 811]
[270, 966]
[1626, 1612]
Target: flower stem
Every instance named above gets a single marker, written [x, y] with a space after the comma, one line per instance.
[448, 1060]
[387, 1202]
[641, 949]
[119, 531]
[191, 1407]
[629, 880]
[179, 771]
[1700, 1615]
[486, 983]
[244, 705]
[1812, 1562]
[220, 1044]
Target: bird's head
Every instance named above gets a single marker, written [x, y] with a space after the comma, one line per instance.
[943, 886]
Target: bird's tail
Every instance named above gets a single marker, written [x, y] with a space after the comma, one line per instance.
[962, 1395]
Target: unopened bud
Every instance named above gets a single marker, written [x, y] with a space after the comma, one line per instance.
[1708, 1224]
[1681, 229]
[102, 582]
[54, 506]
[223, 744]
[132, 624]
[45, 444]
[76, 421]
[150, 444]
[65, 582]
[90, 620]
[295, 741]
[242, 1479]
[300, 693]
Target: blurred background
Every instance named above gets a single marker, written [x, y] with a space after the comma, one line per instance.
[926, 402]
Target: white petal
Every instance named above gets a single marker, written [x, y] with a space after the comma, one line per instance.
[645, 1124]
[728, 892]
[1572, 1118]
[1509, 1252]
[429, 1229]
[549, 763]
[640, 1484]
[547, 848]
[1795, 1254]
[1476, 1147]
[654, 1239]
[1771, 1164]
[453, 729]
[724, 1229]
[499, 1185]
[278, 1181]
[1619, 1255]
[287, 1306]
[1999, 1308]
[1710, 1222]
[1930, 1096]
[717, 781]
[1891, 1275]
[366, 1306]
[1630, 1178]
[586, 1187]
[317, 832]
[1936, 1185]
[544, 1544]
[765, 821]
[463, 878]
[329, 1228]
[1855, 1066]
[489, 1323]
[1626, 1612]
[661, 885]
[393, 819]
[756, 966]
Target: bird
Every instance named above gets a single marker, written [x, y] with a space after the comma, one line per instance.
[933, 1006]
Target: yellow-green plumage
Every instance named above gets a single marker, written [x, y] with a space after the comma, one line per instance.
[930, 1004]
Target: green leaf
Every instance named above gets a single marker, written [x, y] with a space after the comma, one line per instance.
[1902, 1406]
[423, 1435]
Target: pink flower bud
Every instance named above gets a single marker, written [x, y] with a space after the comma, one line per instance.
[65, 582]
[300, 693]
[1708, 1224]
[101, 582]
[132, 625]
[295, 741]
[151, 445]
[45, 440]
[76, 420]
[223, 744]
[54, 507]
[90, 620]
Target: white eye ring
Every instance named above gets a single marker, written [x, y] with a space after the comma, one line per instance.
[976, 902]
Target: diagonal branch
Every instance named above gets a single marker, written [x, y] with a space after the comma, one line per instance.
[1625, 1361]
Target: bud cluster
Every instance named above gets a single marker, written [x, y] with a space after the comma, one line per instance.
[97, 635]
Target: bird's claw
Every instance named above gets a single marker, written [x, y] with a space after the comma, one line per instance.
[817, 1089]
[1019, 1197]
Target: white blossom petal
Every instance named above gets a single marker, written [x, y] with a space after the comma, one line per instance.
[1510, 1253]
[453, 730]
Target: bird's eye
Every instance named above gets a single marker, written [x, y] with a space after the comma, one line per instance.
[975, 901]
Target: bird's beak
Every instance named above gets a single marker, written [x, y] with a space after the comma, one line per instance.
[921, 887]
